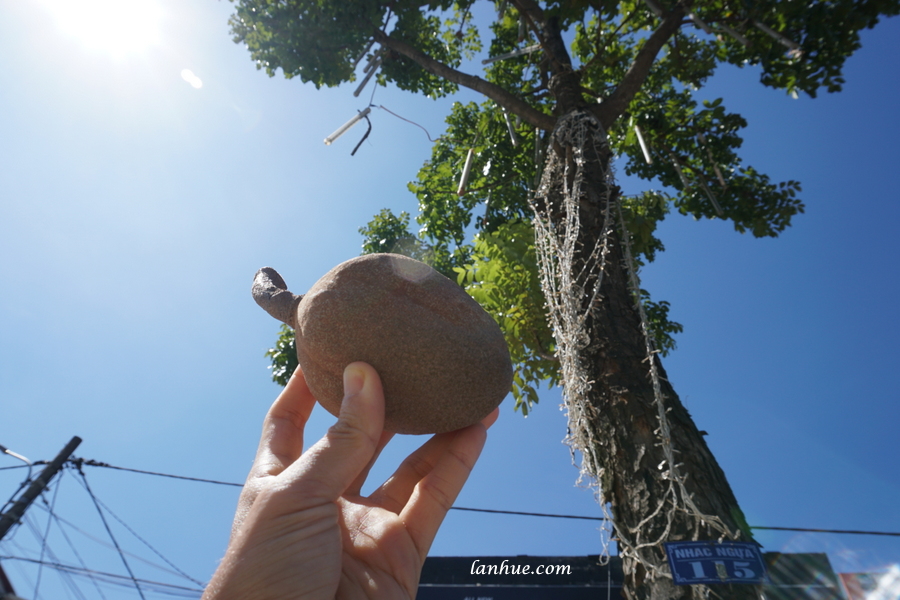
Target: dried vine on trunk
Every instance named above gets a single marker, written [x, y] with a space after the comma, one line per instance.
[636, 440]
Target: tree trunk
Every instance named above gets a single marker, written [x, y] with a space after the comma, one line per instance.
[617, 427]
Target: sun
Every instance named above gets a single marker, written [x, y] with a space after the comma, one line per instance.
[117, 27]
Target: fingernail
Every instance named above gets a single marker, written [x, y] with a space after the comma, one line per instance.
[354, 380]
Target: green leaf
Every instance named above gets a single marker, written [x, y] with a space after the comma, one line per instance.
[283, 356]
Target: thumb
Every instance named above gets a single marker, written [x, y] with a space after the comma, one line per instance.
[328, 468]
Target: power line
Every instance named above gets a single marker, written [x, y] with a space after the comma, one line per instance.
[847, 531]
[68, 583]
[48, 558]
[111, 577]
[87, 487]
[9, 517]
[527, 514]
[44, 547]
[74, 550]
[24, 573]
[428, 135]
[146, 543]
[94, 463]
[36, 463]
[106, 545]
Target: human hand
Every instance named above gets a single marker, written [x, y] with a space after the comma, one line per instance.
[302, 529]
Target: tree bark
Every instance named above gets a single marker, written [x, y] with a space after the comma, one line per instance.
[625, 455]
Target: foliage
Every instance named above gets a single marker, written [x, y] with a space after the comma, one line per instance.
[436, 38]
[389, 233]
[694, 152]
[826, 33]
[321, 42]
[283, 356]
[500, 272]
[500, 180]
[503, 277]
[661, 328]
[635, 65]
[642, 214]
[316, 40]
[690, 147]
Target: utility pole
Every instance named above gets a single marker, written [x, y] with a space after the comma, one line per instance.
[12, 516]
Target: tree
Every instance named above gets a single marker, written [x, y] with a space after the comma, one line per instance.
[558, 247]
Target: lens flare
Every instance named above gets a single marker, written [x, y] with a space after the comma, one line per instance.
[192, 79]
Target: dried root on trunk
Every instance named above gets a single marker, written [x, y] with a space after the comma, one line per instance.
[636, 440]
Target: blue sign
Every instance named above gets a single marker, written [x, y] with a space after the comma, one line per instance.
[711, 562]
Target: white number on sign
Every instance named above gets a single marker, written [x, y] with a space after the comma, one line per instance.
[698, 569]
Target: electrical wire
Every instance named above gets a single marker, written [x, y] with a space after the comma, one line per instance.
[90, 492]
[93, 463]
[103, 505]
[59, 522]
[408, 121]
[845, 531]
[68, 583]
[182, 591]
[113, 578]
[176, 571]
[146, 543]
[24, 573]
[108, 545]
[46, 533]
[526, 514]
[96, 463]
[366, 135]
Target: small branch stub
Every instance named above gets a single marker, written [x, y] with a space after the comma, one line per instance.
[271, 293]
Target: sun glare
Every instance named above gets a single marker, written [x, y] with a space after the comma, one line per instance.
[117, 27]
[192, 79]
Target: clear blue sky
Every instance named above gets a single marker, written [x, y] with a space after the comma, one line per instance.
[135, 209]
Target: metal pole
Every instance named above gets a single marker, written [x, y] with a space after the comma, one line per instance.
[12, 516]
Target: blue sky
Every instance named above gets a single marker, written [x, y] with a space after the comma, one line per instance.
[135, 209]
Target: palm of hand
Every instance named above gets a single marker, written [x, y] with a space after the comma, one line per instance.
[302, 529]
[377, 554]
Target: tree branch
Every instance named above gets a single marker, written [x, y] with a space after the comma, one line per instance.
[533, 10]
[513, 104]
[547, 32]
[613, 107]
[601, 48]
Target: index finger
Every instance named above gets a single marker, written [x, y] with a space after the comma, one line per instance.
[394, 493]
[282, 436]
[433, 496]
[281, 443]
